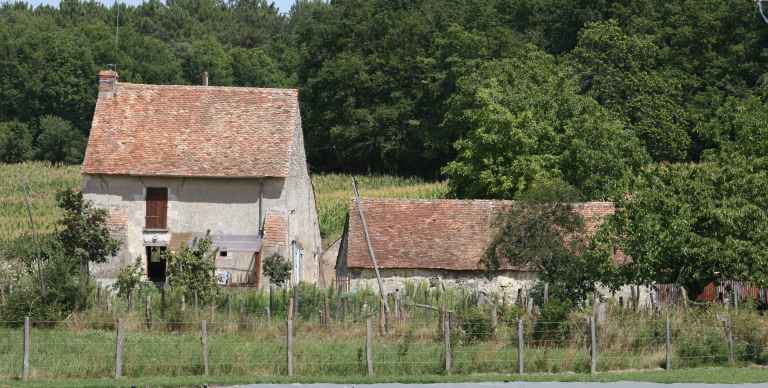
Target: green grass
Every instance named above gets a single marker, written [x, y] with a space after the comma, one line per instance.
[700, 375]
[334, 193]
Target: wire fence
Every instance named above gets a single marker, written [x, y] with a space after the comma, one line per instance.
[416, 340]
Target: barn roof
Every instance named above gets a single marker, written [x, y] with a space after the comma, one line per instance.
[434, 234]
[192, 131]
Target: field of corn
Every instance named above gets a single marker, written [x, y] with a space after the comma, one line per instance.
[247, 336]
[334, 193]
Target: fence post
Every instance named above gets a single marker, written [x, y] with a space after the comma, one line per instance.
[668, 339]
[204, 339]
[593, 347]
[183, 303]
[382, 320]
[494, 318]
[520, 348]
[729, 327]
[119, 344]
[27, 349]
[148, 312]
[369, 344]
[546, 292]
[447, 336]
[289, 335]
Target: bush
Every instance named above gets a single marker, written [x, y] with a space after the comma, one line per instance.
[277, 268]
[708, 346]
[475, 326]
[192, 270]
[552, 324]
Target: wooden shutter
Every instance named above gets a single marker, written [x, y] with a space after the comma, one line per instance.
[157, 207]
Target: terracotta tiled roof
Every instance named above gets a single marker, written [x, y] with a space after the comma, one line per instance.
[202, 131]
[434, 234]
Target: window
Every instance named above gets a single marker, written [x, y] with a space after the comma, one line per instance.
[223, 253]
[157, 208]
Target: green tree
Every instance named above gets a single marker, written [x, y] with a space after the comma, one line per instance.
[15, 142]
[58, 141]
[209, 55]
[526, 122]
[690, 224]
[277, 268]
[543, 232]
[83, 235]
[192, 269]
[254, 67]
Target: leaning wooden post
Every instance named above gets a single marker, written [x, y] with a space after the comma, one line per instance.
[27, 349]
[447, 337]
[593, 347]
[668, 343]
[369, 343]
[289, 337]
[119, 345]
[204, 340]
[520, 348]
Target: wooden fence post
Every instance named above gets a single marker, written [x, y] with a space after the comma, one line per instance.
[593, 347]
[447, 336]
[668, 346]
[729, 328]
[27, 349]
[183, 303]
[204, 339]
[546, 292]
[494, 318]
[119, 344]
[289, 337]
[520, 348]
[369, 344]
[148, 312]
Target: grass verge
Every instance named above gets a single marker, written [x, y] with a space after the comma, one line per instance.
[696, 375]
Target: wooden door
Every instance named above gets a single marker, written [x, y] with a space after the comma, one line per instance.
[157, 208]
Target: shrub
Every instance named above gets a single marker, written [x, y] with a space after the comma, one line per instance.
[552, 324]
[277, 268]
[128, 279]
[192, 270]
[475, 326]
[708, 346]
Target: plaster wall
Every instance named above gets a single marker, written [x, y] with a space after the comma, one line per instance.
[195, 205]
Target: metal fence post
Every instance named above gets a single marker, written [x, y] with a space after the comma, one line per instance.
[27, 348]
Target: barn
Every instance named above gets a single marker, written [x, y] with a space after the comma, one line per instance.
[437, 241]
[172, 162]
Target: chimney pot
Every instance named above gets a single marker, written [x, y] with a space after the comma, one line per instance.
[205, 78]
[107, 81]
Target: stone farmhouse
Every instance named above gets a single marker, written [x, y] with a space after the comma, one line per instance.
[172, 162]
[436, 241]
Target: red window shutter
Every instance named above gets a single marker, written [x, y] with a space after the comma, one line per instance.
[157, 208]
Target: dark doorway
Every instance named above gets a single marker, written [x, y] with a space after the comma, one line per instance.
[156, 264]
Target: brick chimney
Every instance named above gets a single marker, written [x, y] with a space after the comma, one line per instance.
[107, 81]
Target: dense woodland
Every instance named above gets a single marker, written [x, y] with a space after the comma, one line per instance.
[659, 105]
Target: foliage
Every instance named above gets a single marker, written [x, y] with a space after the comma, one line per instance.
[707, 348]
[59, 142]
[128, 279]
[15, 142]
[553, 323]
[475, 325]
[83, 232]
[544, 233]
[192, 269]
[277, 268]
[691, 224]
[525, 122]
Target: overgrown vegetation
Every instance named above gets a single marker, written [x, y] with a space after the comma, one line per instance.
[277, 268]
